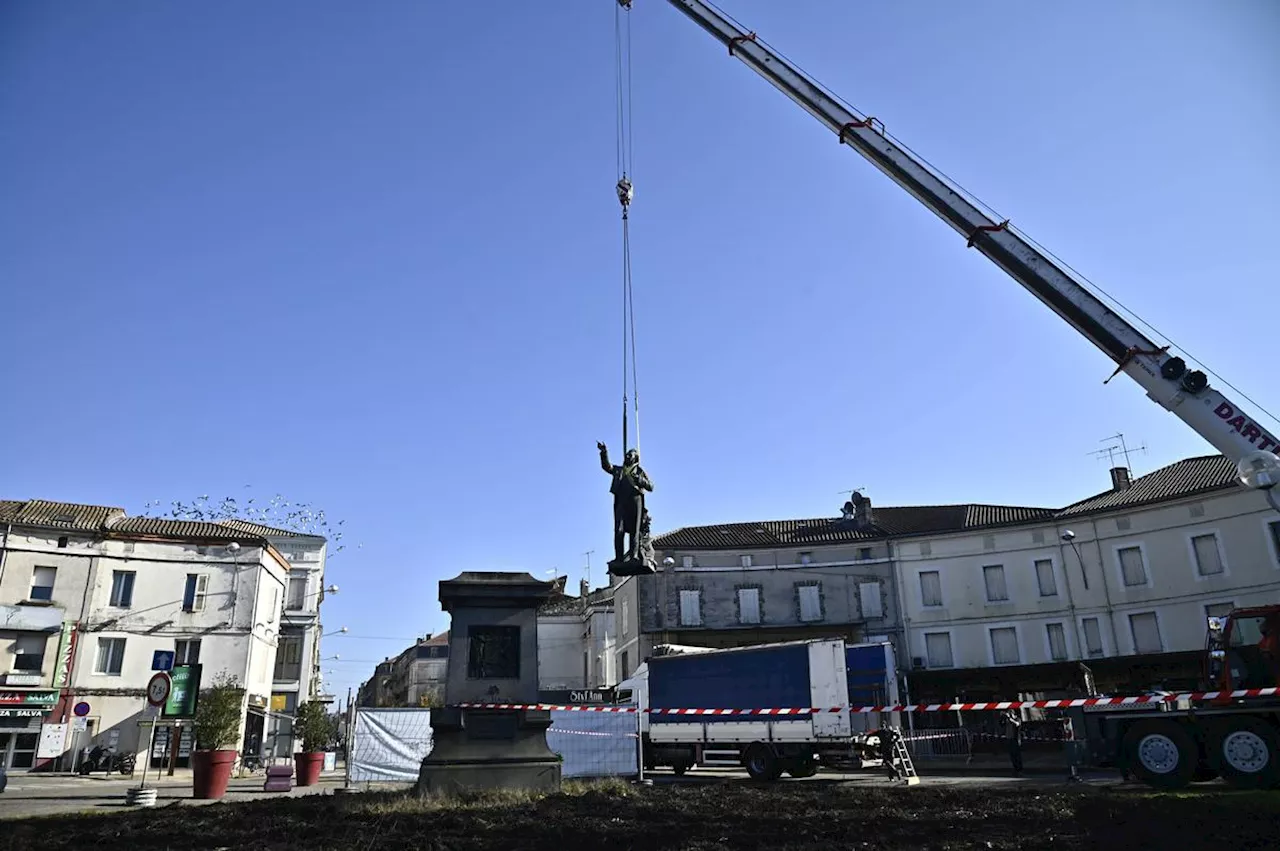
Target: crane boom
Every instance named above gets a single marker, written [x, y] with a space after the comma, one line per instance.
[1219, 420]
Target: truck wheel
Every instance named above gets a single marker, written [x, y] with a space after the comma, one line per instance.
[1161, 754]
[803, 768]
[1247, 752]
[761, 763]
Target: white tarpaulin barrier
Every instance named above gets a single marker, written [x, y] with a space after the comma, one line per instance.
[388, 745]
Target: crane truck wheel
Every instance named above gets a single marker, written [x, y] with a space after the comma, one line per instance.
[1247, 752]
[1161, 754]
[761, 763]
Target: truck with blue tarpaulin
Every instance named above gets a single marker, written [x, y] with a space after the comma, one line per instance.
[822, 678]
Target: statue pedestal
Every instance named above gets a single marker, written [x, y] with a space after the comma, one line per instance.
[631, 567]
[493, 658]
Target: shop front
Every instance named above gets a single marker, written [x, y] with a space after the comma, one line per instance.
[22, 714]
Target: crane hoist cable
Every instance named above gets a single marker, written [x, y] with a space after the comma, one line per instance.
[622, 52]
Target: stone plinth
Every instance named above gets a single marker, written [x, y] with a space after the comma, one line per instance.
[493, 658]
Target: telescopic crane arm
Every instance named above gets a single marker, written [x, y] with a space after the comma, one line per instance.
[1168, 382]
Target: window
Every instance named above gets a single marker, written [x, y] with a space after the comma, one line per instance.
[1123, 524]
[289, 659]
[1208, 555]
[194, 594]
[63, 541]
[297, 596]
[1044, 575]
[930, 588]
[869, 597]
[122, 588]
[42, 583]
[989, 542]
[1004, 646]
[686, 562]
[690, 607]
[748, 605]
[29, 653]
[626, 665]
[926, 548]
[937, 648]
[186, 652]
[1057, 642]
[1274, 529]
[1037, 537]
[996, 590]
[1092, 636]
[1197, 510]
[1146, 633]
[806, 558]
[1133, 571]
[864, 554]
[745, 560]
[625, 615]
[110, 656]
[809, 601]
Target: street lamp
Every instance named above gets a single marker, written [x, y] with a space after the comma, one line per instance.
[1070, 538]
[1260, 470]
[341, 631]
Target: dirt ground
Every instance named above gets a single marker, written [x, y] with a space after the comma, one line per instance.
[615, 817]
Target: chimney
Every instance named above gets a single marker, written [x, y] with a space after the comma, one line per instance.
[584, 588]
[1120, 480]
[863, 517]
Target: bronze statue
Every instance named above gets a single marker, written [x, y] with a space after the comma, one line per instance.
[630, 482]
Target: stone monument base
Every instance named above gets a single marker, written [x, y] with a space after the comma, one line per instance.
[475, 749]
[632, 567]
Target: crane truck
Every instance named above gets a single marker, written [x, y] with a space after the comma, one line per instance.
[1175, 742]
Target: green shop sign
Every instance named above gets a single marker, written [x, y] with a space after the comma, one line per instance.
[185, 692]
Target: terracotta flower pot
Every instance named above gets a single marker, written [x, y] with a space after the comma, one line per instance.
[308, 766]
[210, 772]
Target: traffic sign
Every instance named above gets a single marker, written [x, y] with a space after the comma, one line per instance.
[158, 689]
[81, 709]
[162, 660]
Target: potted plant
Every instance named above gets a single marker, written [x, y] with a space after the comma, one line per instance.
[218, 716]
[311, 724]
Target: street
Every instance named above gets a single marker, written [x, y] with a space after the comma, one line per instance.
[44, 794]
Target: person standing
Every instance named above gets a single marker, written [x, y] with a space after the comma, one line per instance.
[1013, 736]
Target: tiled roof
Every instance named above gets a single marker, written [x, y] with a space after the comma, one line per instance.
[1188, 477]
[575, 605]
[160, 527]
[890, 521]
[264, 531]
[57, 515]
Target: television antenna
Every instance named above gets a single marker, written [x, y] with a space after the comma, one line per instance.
[1117, 449]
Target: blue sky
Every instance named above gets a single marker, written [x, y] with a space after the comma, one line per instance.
[367, 256]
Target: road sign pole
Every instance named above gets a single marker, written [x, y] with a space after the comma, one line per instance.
[151, 744]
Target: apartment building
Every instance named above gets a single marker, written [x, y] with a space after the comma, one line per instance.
[576, 640]
[1111, 592]
[296, 674]
[88, 596]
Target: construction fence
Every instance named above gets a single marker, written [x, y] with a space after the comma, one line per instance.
[388, 745]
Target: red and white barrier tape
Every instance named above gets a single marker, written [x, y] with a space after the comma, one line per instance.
[912, 707]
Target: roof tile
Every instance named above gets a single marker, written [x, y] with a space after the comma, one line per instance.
[161, 527]
[1191, 476]
[57, 515]
[1188, 477]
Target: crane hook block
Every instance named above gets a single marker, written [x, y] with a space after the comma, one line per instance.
[625, 192]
